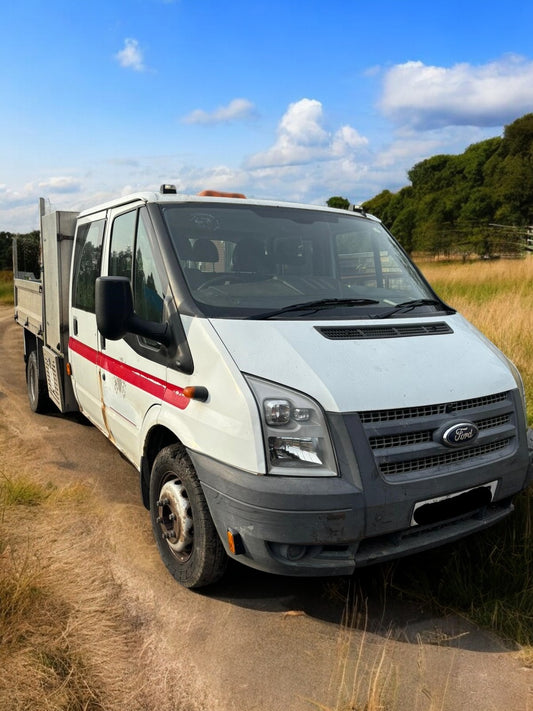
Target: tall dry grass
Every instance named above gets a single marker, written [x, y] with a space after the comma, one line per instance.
[67, 643]
[6, 287]
[64, 640]
[364, 679]
[71, 639]
[487, 577]
[497, 297]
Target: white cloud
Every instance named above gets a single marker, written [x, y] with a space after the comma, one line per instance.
[236, 110]
[302, 138]
[19, 206]
[347, 139]
[307, 161]
[131, 56]
[60, 185]
[301, 124]
[426, 97]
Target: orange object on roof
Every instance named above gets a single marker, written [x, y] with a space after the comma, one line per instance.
[217, 193]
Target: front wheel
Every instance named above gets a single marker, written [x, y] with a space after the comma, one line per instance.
[186, 536]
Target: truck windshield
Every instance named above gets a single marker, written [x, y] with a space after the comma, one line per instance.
[282, 262]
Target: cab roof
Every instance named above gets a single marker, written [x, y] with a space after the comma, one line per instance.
[207, 196]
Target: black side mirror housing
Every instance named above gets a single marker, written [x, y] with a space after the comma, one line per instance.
[115, 316]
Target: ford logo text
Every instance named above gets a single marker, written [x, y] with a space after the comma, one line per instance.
[460, 434]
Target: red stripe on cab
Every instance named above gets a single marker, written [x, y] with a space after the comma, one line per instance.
[160, 389]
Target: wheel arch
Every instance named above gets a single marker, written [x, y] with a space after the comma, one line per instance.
[186, 536]
[157, 438]
[36, 382]
[32, 343]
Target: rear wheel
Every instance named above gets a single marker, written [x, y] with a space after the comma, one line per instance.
[37, 388]
[185, 533]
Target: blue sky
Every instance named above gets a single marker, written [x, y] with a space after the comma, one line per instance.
[280, 99]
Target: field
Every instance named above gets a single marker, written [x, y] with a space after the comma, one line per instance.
[488, 577]
[6, 287]
[56, 629]
[496, 296]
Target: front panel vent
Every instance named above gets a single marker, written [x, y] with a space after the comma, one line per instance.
[352, 333]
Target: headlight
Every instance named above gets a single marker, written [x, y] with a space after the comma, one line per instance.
[295, 432]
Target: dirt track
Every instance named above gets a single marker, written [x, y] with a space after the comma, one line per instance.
[256, 642]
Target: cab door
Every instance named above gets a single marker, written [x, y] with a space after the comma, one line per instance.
[133, 369]
[84, 338]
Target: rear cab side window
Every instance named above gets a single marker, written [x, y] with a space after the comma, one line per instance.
[87, 262]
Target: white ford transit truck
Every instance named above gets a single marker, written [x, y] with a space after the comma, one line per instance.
[290, 389]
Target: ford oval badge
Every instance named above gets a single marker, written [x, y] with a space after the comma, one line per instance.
[460, 434]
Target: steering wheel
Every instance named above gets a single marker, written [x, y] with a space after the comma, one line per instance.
[231, 278]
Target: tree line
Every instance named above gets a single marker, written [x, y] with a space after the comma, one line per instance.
[480, 201]
[27, 252]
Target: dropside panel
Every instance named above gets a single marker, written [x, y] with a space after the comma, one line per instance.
[57, 234]
[29, 305]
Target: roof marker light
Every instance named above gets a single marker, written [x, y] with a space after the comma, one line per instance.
[217, 193]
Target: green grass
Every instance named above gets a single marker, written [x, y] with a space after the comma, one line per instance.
[20, 491]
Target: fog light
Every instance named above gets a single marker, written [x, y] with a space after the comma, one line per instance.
[292, 552]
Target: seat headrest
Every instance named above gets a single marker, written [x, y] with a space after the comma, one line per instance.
[249, 256]
[289, 251]
[203, 250]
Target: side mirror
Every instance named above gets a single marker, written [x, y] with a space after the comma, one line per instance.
[115, 316]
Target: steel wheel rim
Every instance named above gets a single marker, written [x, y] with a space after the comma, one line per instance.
[32, 375]
[174, 516]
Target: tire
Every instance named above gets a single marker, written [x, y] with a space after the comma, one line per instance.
[37, 388]
[183, 528]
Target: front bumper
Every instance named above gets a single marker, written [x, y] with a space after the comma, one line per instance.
[330, 525]
[319, 527]
[530, 447]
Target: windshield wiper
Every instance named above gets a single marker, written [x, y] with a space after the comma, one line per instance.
[315, 306]
[413, 304]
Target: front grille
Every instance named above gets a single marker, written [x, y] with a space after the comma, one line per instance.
[407, 413]
[493, 422]
[439, 460]
[410, 438]
[400, 440]
[407, 441]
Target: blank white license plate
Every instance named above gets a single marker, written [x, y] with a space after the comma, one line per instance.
[442, 507]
